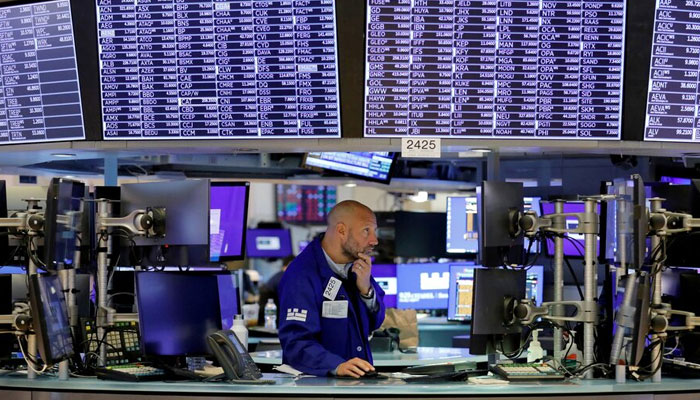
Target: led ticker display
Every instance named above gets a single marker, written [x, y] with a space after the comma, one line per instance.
[210, 69]
[39, 91]
[497, 69]
[672, 111]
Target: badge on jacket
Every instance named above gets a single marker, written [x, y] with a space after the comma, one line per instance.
[335, 309]
[332, 288]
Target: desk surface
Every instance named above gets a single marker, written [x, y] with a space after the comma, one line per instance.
[316, 387]
[425, 355]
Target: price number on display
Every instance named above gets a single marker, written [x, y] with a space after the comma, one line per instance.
[423, 148]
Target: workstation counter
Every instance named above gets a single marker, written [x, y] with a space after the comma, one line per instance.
[50, 388]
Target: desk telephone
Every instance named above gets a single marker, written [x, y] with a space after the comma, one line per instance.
[233, 357]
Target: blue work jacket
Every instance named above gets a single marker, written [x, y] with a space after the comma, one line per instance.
[312, 343]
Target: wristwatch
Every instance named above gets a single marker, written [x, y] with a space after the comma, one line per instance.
[369, 295]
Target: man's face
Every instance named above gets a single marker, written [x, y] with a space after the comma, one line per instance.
[361, 235]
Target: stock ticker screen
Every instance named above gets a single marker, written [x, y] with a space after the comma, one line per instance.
[672, 101]
[40, 93]
[494, 68]
[210, 69]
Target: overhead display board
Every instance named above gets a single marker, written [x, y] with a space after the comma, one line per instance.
[672, 102]
[542, 69]
[211, 69]
[39, 91]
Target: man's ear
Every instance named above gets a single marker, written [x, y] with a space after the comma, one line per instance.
[341, 229]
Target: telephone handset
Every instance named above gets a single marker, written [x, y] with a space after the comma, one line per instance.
[233, 357]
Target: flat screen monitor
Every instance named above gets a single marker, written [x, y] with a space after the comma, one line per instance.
[228, 215]
[186, 206]
[50, 318]
[671, 109]
[218, 70]
[304, 204]
[40, 100]
[462, 225]
[372, 165]
[268, 243]
[385, 275]
[423, 286]
[571, 249]
[459, 302]
[178, 310]
[62, 218]
[419, 234]
[494, 70]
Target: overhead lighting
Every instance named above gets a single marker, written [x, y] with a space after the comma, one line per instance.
[64, 155]
[481, 150]
[350, 185]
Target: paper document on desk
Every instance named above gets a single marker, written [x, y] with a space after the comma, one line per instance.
[286, 369]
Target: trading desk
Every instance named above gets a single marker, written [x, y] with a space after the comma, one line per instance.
[49, 388]
[424, 355]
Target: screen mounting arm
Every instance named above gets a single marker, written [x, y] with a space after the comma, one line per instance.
[149, 222]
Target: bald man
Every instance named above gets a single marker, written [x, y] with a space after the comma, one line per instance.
[329, 302]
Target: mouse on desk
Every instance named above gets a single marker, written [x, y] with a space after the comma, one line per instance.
[368, 375]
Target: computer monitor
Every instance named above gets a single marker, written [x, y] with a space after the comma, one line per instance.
[50, 318]
[186, 203]
[459, 302]
[497, 204]
[62, 221]
[418, 234]
[423, 286]
[178, 310]
[385, 275]
[571, 249]
[228, 216]
[304, 204]
[462, 225]
[490, 330]
[371, 165]
[268, 243]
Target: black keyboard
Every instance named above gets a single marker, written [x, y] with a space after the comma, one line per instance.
[131, 373]
[526, 372]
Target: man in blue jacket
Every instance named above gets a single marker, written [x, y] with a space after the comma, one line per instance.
[329, 302]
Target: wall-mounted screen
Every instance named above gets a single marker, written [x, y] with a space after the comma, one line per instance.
[462, 230]
[672, 112]
[385, 275]
[214, 69]
[371, 165]
[304, 204]
[498, 69]
[40, 96]
[423, 286]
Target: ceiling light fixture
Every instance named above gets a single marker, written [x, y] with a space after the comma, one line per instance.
[64, 155]
[481, 150]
